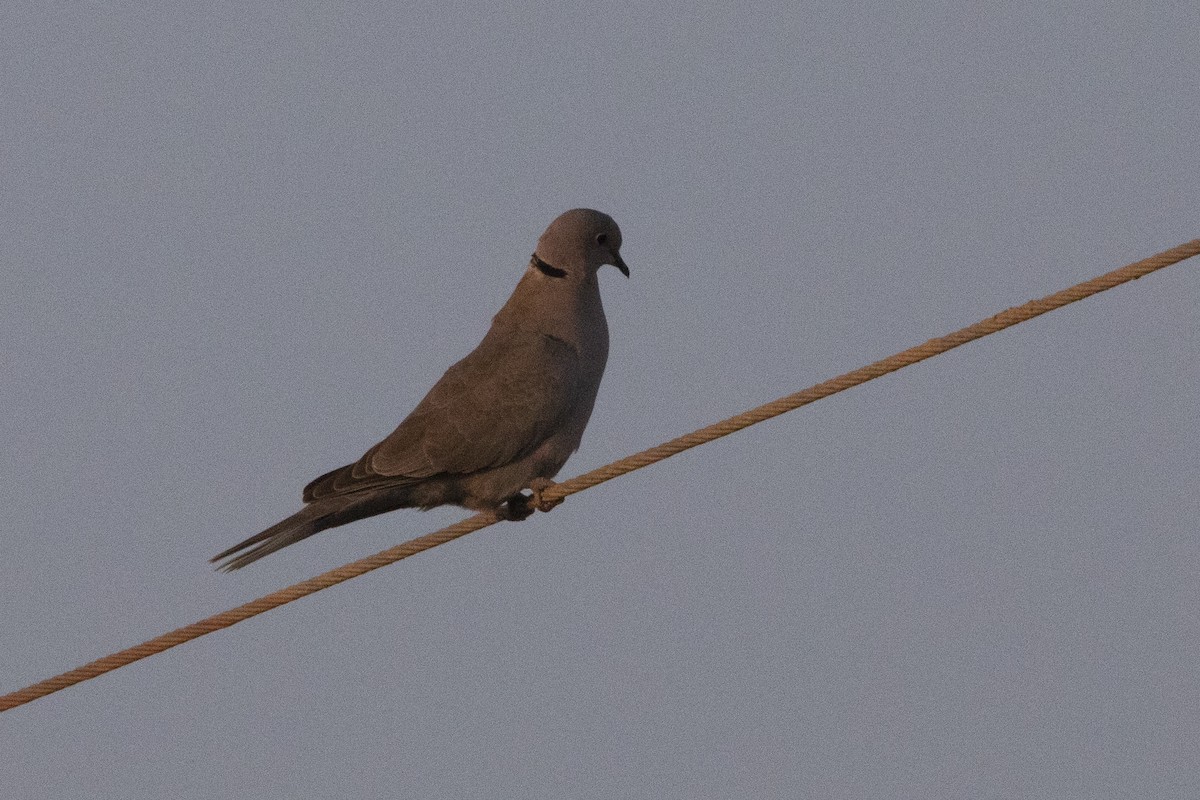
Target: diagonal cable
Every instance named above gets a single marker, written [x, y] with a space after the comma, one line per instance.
[933, 347]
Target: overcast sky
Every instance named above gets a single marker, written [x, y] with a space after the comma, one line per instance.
[240, 241]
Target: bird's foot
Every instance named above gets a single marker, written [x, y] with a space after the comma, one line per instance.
[520, 506]
[516, 508]
[539, 485]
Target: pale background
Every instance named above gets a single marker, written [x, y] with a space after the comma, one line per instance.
[239, 241]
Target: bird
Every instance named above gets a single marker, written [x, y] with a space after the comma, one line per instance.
[503, 419]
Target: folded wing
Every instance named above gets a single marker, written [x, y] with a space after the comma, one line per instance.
[494, 407]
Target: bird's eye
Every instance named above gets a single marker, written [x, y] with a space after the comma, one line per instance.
[601, 238]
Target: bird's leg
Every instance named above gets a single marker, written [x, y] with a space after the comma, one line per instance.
[515, 508]
[537, 486]
[520, 506]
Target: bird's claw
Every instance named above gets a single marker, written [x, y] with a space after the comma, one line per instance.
[543, 504]
[520, 506]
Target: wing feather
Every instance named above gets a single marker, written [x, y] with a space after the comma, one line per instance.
[496, 406]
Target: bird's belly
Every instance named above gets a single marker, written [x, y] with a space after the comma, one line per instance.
[489, 488]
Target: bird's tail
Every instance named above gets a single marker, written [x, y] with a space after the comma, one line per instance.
[328, 512]
[304, 523]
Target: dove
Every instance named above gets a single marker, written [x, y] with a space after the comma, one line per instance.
[503, 419]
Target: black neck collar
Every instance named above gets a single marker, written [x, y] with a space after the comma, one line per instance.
[546, 269]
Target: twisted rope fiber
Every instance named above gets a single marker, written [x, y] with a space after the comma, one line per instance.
[933, 347]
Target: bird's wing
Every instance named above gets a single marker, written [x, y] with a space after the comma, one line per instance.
[494, 407]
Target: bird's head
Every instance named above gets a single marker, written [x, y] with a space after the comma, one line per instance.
[580, 240]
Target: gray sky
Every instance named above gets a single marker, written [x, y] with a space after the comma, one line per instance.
[240, 242]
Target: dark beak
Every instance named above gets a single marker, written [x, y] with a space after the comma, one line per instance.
[619, 264]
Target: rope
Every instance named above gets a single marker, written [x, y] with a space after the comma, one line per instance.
[933, 347]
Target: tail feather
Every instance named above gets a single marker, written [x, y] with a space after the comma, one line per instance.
[313, 518]
[304, 523]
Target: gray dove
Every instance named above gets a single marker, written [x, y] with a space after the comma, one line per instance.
[504, 419]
